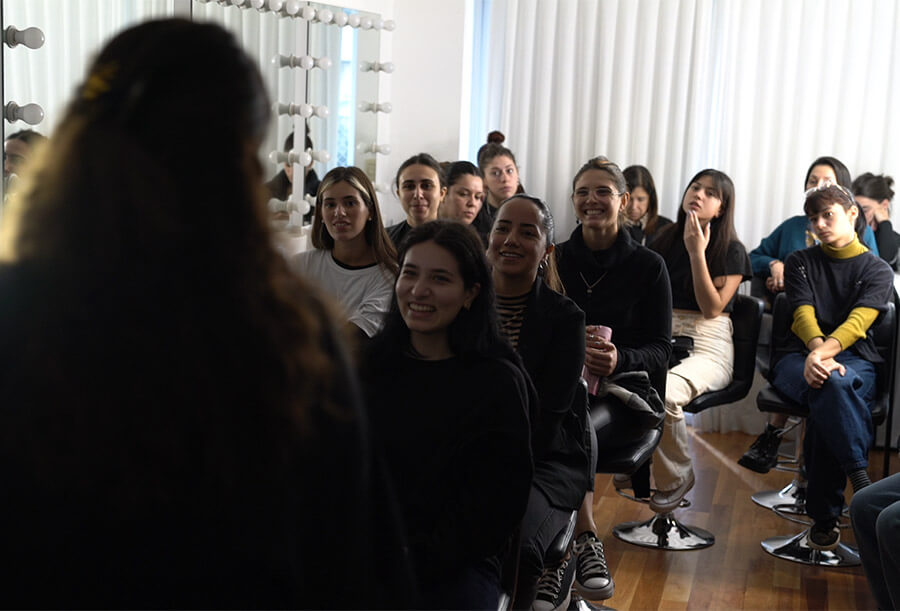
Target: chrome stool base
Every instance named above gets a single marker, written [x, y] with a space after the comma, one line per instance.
[790, 499]
[577, 603]
[663, 531]
[796, 549]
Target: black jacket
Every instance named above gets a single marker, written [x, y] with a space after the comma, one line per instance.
[551, 343]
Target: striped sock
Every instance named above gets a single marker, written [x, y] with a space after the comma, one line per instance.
[859, 479]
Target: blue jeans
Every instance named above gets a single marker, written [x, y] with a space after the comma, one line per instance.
[875, 515]
[838, 430]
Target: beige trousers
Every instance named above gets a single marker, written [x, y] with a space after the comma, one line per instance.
[709, 367]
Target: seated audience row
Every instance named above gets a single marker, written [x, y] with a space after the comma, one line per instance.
[182, 424]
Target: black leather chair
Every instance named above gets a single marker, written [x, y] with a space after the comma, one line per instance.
[664, 531]
[791, 500]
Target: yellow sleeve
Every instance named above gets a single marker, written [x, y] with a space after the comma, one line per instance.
[855, 327]
[805, 326]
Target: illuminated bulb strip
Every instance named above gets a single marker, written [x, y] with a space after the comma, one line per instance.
[386, 67]
[382, 149]
[303, 158]
[305, 62]
[303, 110]
[384, 107]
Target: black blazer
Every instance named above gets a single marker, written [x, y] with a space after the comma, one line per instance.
[551, 343]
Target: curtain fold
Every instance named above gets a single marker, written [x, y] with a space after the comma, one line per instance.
[756, 88]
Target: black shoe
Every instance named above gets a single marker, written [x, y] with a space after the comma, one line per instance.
[763, 454]
[592, 578]
[824, 536]
[554, 587]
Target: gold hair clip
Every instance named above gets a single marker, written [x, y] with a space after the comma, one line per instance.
[98, 81]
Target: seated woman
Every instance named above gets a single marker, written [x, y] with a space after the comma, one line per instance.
[547, 329]
[706, 264]
[767, 261]
[421, 187]
[353, 258]
[465, 194]
[836, 290]
[624, 286]
[501, 181]
[177, 405]
[874, 195]
[449, 405]
[642, 218]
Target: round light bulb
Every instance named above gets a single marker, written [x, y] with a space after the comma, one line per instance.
[385, 107]
[387, 67]
[292, 7]
[366, 23]
[389, 25]
[378, 23]
[324, 63]
[308, 13]
[275, 5]
[307, 63]
[353, 21]
[340, 19]
[322, 112]
[325, 16]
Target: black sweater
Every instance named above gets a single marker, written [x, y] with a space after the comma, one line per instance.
[634, 299]
[551, 343]
[834, 287]
[456, 439]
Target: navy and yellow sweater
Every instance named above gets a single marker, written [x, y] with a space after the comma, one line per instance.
[837, 292]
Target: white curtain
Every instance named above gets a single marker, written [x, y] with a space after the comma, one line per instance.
[756, 88]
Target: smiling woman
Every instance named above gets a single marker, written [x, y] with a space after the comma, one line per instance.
[449, 406]
[353, 258]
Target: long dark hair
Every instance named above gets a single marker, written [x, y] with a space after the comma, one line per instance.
[721, 228]
[128, 217]
[639, 176]
[475, 333]
[374, 232]
[840, 171]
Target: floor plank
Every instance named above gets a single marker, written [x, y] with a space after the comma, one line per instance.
[735, 573]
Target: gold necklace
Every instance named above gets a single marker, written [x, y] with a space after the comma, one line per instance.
[590, 287]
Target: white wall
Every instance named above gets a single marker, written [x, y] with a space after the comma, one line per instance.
[428, 49]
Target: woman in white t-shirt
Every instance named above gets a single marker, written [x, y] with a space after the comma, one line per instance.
[353, 258]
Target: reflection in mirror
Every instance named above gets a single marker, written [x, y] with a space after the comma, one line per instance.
[342, 89]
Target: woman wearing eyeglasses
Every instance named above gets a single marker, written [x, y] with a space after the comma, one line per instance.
[706, 264]
[622, 285]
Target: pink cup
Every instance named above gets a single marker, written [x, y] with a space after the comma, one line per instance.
[600, 332]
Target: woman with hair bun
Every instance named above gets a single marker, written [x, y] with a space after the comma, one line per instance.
[874, 194]
[547, 330]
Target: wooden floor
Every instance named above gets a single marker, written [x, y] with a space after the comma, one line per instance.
[735, 573]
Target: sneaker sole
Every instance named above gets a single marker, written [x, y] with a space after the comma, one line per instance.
[593, 594]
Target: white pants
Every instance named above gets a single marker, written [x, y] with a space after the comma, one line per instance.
[709, 367]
